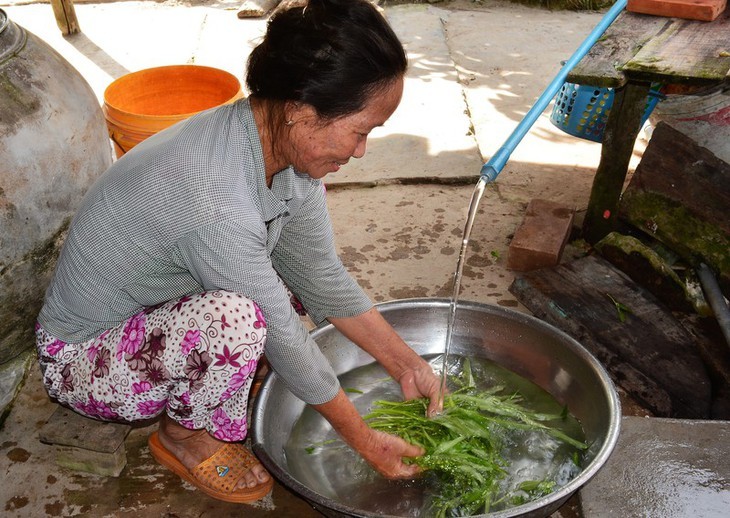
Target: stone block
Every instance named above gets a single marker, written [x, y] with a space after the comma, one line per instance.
[541, 237]
[84, 444]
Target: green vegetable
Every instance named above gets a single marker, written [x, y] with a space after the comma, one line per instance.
[621, 309]
[314, 447]
[463, 444]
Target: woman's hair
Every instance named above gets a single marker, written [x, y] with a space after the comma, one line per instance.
[330, 54]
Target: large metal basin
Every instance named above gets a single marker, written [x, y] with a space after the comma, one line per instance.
[528, 346]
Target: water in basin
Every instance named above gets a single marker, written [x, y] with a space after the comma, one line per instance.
[319, 460]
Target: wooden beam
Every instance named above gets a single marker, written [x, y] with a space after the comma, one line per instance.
[644, 348]
[65, 15]
[256, 8]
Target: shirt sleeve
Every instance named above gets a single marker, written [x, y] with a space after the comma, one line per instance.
[311, 267]
[231, 255]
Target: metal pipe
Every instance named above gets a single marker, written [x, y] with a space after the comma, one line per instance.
[715, 299]
[494, 166]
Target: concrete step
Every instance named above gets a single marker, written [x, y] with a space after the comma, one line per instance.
[84, 444]
[671, 468]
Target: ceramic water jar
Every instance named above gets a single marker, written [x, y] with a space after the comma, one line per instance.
[53, 144]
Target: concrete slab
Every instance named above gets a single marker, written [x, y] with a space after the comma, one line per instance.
[666, 468]
[506, 56]
[430, 134]
[402, 241]
[34, 485]
[117, 38]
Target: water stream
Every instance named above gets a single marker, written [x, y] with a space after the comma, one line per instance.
[471, 215]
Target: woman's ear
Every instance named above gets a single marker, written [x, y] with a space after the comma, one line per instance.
[297, 112]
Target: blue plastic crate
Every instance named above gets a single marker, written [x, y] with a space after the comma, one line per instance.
[582, 110]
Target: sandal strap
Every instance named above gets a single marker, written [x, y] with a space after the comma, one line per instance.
[223, 470]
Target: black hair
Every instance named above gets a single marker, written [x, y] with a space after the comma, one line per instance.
[330, 54]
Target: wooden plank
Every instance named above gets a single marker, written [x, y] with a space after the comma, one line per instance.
[649, 353]
[256, 8]
[65, 15]
[685, 51]
[680, 194]
[705, 10]
[288, 4]
[621, 41]
[674, 166]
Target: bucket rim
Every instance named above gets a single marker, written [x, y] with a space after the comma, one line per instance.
[110, 108]
[112, 113]
[161, 68]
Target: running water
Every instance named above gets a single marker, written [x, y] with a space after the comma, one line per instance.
[473, 206]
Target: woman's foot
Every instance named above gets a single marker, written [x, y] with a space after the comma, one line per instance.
[191, 447]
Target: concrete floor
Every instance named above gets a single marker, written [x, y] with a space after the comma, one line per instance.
[476, 68]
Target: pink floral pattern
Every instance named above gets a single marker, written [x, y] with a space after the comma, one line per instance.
[190, 341]
[194, 358]
[141, 387]
[239, 379]
[151, 407]
[132, 336]
[227, 429]
[54, 347]
[100, 409]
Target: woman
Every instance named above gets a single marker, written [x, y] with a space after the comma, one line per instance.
[177, 268]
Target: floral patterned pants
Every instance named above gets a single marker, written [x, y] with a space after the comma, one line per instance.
[194, 357]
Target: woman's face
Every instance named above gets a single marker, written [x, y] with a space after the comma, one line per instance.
[319, 147]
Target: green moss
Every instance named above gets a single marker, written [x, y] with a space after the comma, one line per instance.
[692, 238]
[648, 268]
[630, 245]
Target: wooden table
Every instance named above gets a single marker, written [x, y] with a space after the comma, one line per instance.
[635, 51]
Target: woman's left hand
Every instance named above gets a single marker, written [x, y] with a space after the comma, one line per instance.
[375, 335]
[423, 382]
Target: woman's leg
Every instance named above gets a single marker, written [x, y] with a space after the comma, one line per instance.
[194, 358]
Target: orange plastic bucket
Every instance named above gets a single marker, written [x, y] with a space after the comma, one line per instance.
[140, 104]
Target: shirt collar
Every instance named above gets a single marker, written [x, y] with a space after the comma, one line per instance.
[272, 202]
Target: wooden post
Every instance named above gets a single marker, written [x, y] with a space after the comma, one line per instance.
[65, 15]
[622, 127]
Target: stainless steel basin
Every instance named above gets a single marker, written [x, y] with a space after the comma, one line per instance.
[521, 343]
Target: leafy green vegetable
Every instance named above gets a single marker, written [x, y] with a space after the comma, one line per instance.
[314, 447]
[621, 308]
[352, 390]
[463, 444]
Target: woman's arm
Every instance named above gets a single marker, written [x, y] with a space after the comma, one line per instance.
[376, 336]
[383, 452]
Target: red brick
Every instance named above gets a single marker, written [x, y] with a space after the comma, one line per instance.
[541, 237]
[704, 10]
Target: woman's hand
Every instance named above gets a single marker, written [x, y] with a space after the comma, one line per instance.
[386, 454]
[383, 452]
[423, 382]
[371, 332]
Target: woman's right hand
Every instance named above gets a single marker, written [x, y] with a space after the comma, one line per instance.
[384, 452]
[387, 453]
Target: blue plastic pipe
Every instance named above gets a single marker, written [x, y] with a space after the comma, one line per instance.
[491, 169]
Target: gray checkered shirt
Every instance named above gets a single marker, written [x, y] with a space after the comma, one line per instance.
[189, 211]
